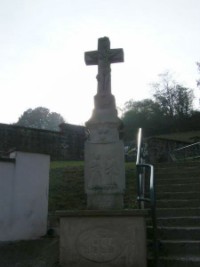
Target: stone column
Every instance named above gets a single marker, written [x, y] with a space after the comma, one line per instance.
[104, 151]
[104, 166]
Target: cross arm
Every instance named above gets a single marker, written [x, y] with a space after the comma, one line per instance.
[117, 55]
[91, 58]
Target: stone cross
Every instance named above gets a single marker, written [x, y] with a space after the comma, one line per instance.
[103, 57]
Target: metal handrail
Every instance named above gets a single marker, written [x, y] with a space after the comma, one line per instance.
[139, 147]
[141, 169]
[186, 153]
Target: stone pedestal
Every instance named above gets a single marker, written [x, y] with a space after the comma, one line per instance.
[103, 239]
[104, 175]
[104, 160]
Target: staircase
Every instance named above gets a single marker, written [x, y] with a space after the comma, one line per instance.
[178, 215]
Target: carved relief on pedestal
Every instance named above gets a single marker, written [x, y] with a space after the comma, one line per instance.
[99, 245]
[103, 245]
[95, 171]
[111, 170]
[103, 173]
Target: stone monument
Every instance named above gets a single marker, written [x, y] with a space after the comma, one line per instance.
[104, 151]
[105, 235]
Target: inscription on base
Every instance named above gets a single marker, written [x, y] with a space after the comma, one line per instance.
[99, 245]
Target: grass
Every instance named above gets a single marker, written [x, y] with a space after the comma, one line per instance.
[65, 164]
[66, 188]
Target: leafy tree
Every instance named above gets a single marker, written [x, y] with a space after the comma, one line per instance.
[144, 114]
[40, 118]
[170, 110]
[173, 99]
[184, 101]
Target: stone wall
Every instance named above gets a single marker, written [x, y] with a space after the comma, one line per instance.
[67, 144]
[162, 147]
[24, 183]
[158, 149]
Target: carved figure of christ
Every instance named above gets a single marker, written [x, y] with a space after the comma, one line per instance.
[103, 57]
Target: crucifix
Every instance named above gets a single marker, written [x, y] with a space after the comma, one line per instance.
[103, 57]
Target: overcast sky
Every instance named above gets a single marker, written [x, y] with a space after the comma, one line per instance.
[42, 45]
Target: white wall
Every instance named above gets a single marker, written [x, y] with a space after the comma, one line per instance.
[24, 196]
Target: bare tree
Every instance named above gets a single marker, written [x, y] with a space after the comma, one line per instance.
[173, 99]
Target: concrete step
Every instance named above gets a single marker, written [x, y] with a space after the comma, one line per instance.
[174, 212]
[178, 215]
[180, 248]
[175, 233]
[178, 203]
[178, 188]
[170, 173]
[178, 195]
[176, 262]
[171, 176]
[177, 167]
[177, 221]
[180, 180]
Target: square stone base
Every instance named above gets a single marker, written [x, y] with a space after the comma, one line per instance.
[103, 239]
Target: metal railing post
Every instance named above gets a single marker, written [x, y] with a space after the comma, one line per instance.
[140, 174]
